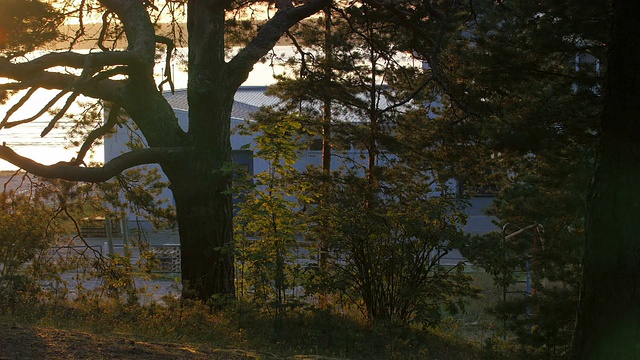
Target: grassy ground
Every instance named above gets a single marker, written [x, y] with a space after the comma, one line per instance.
[476, 321]
[194, 332]
[103, 330]
[34, 342]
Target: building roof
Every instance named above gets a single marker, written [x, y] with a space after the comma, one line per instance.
[248, 99]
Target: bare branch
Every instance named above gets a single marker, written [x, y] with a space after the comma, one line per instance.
[14, 86]
[304, 69]
[112, 120]
[78, 83]
[103, 30]
[16, 173]
[410, 97]
[167, 63]
[17, 106]
[60, 114]
[80, 32]
[18, 71]
[72, 172]
[34, 74]
[47, 106]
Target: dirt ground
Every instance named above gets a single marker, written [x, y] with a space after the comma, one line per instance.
[18, 343]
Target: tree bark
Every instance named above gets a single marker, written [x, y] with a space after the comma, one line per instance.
[200, 185]
[204, 211]
[608, 324]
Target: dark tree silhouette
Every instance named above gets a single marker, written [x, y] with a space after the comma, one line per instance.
[609, 312]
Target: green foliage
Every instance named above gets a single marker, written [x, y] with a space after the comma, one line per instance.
[23, 233]
[138, 191]
[26, 25]
[270, 219]
[388, 256]
[537, 118]
[31, 232]
[381, 228]
[45, 258]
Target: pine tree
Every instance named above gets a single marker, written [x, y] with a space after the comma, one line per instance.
[529, 78]
[388, 232]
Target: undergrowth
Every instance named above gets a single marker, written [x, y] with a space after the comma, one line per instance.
[337, 332]
[243, 326]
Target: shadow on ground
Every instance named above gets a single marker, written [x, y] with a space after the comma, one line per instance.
[22, 343]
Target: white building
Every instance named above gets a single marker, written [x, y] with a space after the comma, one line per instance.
[248, 100]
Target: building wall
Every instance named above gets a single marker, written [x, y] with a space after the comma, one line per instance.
[116, 144]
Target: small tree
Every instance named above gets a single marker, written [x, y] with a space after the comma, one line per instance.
[379, 227]
[535, 122]
[271, 220]
[388, 257]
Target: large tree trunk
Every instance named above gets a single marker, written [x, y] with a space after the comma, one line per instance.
[200, 185]
[204, 210]
[608, 325]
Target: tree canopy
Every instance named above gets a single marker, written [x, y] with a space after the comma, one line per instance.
[119, 73]
[515, 105]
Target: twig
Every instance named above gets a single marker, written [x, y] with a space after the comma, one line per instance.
[44, 109]
[303, 54]
[167, 66]
[60, 114]
[81, 29]
[112, 120]
[9, 180]
[17, 106]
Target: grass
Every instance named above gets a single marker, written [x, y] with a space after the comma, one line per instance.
[297, 333]
[244, 328]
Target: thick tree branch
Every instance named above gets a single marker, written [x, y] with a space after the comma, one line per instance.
[80, 83]
[67, 59]
[72, 172]
[14, 86]
[31, 75]
[268, 36]
[284, 4]
[5, 123]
